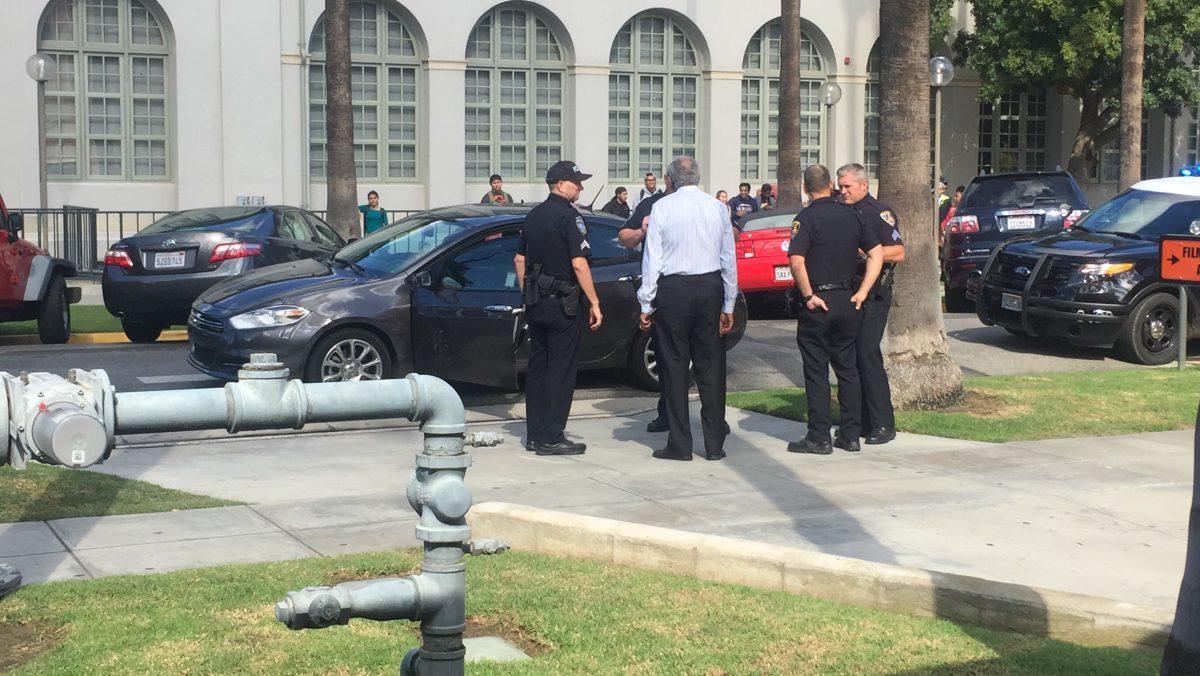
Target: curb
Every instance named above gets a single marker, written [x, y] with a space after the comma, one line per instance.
[1070, 617]
[174, 335]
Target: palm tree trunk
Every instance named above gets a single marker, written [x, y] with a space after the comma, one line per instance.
[1182, 655]
[342, 183]
[790, 169]
[920, 369]
[1133, 43]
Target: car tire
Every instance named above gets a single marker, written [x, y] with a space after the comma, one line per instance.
[643, 363]
[54, 314]
[141, 332]
[956, 300]
[358, 354]
[1150, 334]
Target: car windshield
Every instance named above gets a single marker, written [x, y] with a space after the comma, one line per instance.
[1022, 192]
[768, 222]
[391, 249]
[1145, 214]
[215, 218]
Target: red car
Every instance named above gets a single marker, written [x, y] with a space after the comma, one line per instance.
[762, 259]
[33, 283]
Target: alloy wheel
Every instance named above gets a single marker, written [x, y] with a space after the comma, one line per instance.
[349, 360]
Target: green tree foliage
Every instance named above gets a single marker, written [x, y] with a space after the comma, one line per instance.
[1073, 47]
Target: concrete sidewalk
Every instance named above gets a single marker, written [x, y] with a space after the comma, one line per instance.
[1105, 517]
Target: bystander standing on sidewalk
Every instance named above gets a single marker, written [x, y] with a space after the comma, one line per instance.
[374, 216]
[496, 195]
[619, 204]
[766, 197]
[742, 204]
[649, 187]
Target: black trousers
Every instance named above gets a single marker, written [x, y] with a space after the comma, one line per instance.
[876, 392]
[550, 380]
[662, 398]
[687, 315]
[825, 338]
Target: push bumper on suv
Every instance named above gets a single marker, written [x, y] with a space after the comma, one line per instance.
[219, 350]
[1010, 293]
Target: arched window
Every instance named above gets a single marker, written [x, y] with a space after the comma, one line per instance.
[107, 112]
[384, 91]
[760, 103]
[515, 100]
[653, 97]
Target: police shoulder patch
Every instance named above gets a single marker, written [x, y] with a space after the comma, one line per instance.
[888, 217]
[581, 225]
[795, 227]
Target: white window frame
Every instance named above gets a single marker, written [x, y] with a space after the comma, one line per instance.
[653, 108]
[385, 93]
[517, 138]
[759, 158]
[1010, 126]
[141, 143]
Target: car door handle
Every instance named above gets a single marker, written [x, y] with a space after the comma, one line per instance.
[506, 309]
[630, 278]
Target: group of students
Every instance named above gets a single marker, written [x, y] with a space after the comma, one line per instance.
[741, 205]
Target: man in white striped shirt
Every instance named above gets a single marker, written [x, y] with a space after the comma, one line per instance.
[689, 287]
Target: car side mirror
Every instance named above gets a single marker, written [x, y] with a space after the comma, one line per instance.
[422, 280]
[15, 225]
[452, 284]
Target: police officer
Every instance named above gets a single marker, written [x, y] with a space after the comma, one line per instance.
[826, 239]
[556, 283]
[878, 419]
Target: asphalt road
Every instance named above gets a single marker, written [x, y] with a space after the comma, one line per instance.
[766, 357]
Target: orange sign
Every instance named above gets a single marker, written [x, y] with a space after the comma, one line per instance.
[1179, 259]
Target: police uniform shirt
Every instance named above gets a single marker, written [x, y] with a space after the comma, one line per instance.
[829, 235]
[642, 211]
[554, 233]
[881, 219]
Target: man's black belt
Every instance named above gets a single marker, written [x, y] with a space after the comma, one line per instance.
[835, 286]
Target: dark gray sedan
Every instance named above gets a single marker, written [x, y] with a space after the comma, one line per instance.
[434, 293]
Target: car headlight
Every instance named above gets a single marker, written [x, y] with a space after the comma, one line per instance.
[1102, 279]
[269, 317]
[1105, 269]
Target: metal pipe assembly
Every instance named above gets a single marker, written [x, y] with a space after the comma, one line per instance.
[73, 422]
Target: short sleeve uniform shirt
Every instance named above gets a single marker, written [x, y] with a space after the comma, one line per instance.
[554, 233]
[829, 235]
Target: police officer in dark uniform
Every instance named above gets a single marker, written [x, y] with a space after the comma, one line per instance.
[826, 239]
[878, 418]
[559, 296]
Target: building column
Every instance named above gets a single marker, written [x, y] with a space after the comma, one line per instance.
[846, 135]
[720, 142]
[587, 141]
[443, 151]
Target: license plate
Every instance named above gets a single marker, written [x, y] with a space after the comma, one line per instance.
[1010, 301]
[1020, 223]
[170, 259]
[783, 274]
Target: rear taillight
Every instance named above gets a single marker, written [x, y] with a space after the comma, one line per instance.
[961, 225]
[118, 258]
[745, 247]
[1072, 218]
[230, 250]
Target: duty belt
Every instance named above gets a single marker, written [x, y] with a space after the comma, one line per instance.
[835, 286]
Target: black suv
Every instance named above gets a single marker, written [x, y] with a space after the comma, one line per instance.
[1098, 284]
[997, 208]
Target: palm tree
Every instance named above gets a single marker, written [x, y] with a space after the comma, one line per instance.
[790, 170]
[341, 182]
[920, 369]
[1133, 43]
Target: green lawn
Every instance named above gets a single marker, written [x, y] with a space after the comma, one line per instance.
[84, 319]
[1015, 408]
[40, 492]
[575, 617]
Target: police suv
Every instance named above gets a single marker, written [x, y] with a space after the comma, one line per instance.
[1098, 283]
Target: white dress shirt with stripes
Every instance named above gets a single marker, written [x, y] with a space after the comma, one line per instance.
[689, 234]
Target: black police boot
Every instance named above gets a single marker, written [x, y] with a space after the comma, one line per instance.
[807, 445]
[881, 435]
[658, 425]
[668, 454]
[847, 444]
[563, 447]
